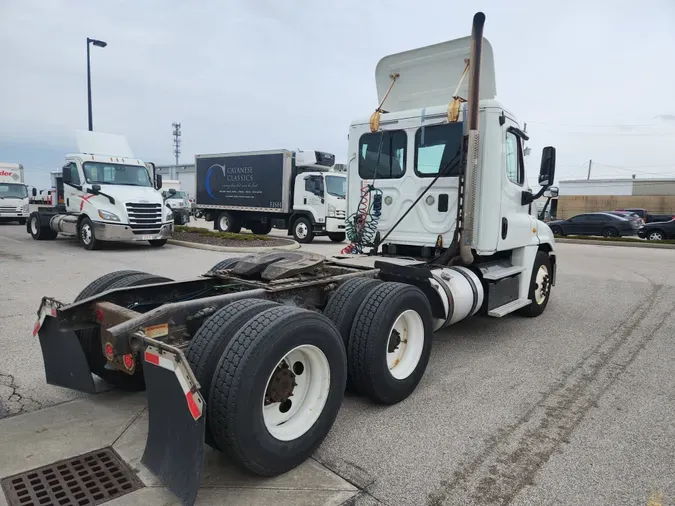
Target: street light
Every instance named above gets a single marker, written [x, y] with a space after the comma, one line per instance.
[98, 43]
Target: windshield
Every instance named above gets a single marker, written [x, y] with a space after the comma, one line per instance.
[13, 191]
[336, 186]
[179, 195]
[116, 173]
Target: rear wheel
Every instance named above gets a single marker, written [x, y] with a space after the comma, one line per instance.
[337, 236]
[302, 230]
[390, 342]
[540, 286]
[656, 235]
[210, 341]
[226, 222]
[39, 232]
[610, 232]
[343, 306]
[277, 389]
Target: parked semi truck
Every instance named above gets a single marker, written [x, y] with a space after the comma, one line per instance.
[294, 190]
[13, 193]
[104, 194]
[253, 357]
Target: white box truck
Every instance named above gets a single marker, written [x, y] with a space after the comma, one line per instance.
[253, 357]
[14, 202]
[295, 190]
[104, 194]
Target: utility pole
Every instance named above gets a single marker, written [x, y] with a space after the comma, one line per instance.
[176, 146]
[590, 164]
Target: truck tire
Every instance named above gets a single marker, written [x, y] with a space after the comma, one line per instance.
[37, 231]
[224, 264]
[209, 343]
[226, 222]
[260, 228]
[91, 338]
[281, 356]
[540, 286]
[87, 235]
[158, 243]
[390, 342]
[337, 236]
[342, 307]
[303, 231]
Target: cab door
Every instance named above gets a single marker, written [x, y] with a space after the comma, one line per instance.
[517, 227]
[72, 188]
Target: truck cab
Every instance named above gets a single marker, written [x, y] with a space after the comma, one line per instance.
[104, 197]
[178, 200]
[13, 194]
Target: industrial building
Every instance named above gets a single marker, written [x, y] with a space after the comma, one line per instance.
[183, 173]
[591, 195]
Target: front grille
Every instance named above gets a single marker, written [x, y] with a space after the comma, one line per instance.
[89, 479]
[6, 209]
[144, 218]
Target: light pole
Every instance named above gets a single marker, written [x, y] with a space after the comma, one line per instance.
[98, 43]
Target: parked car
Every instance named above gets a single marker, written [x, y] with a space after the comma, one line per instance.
[604, 224]
[658, 231]
[647, 217]
[631, 216]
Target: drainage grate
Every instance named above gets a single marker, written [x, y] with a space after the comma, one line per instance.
[89, 479]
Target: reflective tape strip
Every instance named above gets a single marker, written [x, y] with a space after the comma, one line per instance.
[44, 312]
[194, 400]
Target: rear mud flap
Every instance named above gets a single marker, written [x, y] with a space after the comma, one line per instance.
[65, 362]
[174, 450]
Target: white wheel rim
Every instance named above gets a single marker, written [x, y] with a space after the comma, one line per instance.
[540, 293]
[34, 226]
[86, 234]
[301, 230]
[289, 420]
[408, 330]
[224, 223]
[655, 236]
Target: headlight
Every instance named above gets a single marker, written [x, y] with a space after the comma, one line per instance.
[331, 211]
[169, 213]
[25, 208]
[105, 215]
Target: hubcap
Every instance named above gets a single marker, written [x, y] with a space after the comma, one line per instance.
[301, 230]
[655, 236]
[34, 226]
[224, 223]
[296, 393]
[86, 234]
[405, 344]
[543, 285]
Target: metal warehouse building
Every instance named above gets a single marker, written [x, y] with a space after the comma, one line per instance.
[183, 173]
[590, 195]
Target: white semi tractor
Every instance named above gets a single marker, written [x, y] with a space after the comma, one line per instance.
[253, 357]
[291, 189]
[104, 194]
[13, 193]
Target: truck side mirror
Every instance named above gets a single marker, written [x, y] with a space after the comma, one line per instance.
[172, 191]
[34, 192]
[551, 192]
[547, 170]
[96, 188]
[158, 181]
[66, 174]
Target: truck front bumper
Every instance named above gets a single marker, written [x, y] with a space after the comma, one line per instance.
[115, 232]
[15, 215]
[335, 225]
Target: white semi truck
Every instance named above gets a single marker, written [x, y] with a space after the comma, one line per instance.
[104, 194]
[13, 193]
[294, 190]
[253, 357]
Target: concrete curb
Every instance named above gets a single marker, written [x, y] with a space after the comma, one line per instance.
[635, 244]
[231, 249]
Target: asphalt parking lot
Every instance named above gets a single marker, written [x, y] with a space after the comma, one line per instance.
[573, 407]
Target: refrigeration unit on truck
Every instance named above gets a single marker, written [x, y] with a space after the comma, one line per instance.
[253, 357]
[13, 193]
[294, 190]
[178, 201]
[104, 194]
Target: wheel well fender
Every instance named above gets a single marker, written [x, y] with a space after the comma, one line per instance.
[547, 248]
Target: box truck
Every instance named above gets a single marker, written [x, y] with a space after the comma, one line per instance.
[13, 193]
[295, 190]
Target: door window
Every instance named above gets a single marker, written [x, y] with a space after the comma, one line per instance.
[74, 175]
[515, 169]
[382, 155]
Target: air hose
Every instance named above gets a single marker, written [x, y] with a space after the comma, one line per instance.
[361, 227]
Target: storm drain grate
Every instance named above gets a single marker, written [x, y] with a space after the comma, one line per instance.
[89, 479]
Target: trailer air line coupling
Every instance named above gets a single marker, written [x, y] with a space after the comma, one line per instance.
[472, 124]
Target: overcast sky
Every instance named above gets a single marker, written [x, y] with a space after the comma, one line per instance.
[595, 78]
